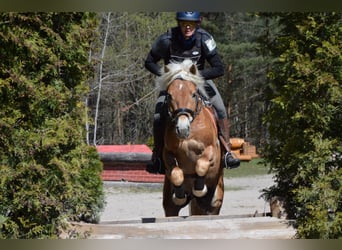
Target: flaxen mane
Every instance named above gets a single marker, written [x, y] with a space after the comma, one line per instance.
[183, 70]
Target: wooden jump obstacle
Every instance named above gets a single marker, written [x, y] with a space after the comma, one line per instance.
[243, 149]
[189, 227]
[126, 163]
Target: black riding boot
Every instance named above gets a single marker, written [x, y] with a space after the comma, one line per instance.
[157, 164]
[229, 160]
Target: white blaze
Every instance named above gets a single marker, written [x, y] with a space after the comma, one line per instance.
[183, 123]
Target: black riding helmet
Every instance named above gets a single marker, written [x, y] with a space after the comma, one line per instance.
[188, 16]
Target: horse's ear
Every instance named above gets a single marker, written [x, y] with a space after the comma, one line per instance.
[166, 69]
[193, 69]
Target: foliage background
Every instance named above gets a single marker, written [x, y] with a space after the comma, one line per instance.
[47, 173]
[282, 89]
[69, 81]
[305, 121]
[128, 89]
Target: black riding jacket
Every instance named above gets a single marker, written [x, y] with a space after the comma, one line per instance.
[171, 46]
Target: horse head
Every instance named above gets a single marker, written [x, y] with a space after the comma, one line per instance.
[183, 84]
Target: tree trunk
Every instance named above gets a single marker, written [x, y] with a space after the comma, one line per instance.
[100, 78]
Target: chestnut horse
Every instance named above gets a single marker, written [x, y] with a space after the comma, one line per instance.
[192, 151]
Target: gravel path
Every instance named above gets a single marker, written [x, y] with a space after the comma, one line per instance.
[127, 201]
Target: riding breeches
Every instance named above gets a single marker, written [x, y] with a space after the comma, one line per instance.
[215, 99]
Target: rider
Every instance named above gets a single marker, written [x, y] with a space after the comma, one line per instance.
[187, 40]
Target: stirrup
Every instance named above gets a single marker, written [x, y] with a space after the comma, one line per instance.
[234, 163]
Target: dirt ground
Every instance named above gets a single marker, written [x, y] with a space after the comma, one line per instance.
[130, 201]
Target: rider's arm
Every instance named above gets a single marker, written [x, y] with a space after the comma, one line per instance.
[151, 63]
[211, 55]
[160, 50]
[216, 68]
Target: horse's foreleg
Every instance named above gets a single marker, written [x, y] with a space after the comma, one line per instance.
[202, 168]
[199, 189]
[217, 200]
[177, 179]
[170, 208]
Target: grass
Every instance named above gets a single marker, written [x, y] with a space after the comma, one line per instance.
[247, 169]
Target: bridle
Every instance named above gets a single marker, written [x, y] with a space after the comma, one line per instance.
[184, 111]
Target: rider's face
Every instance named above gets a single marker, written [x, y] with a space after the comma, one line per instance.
[187, 28]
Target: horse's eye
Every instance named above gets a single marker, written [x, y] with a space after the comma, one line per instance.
[194, 95]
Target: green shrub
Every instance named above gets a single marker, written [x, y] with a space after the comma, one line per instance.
[48, 175]
[305, 122]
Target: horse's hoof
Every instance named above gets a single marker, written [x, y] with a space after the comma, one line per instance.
[200, 193]
[179, 201]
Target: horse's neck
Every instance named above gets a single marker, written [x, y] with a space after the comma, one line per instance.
[206, 114]
[212, 113]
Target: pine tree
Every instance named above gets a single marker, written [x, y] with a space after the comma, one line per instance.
[244, 83]
[305, 122]
[47, 172]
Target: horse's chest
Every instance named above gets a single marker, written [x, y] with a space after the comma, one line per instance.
[191, 148]
[192, 145]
